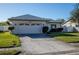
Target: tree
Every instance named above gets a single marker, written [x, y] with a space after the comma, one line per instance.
[75, 14]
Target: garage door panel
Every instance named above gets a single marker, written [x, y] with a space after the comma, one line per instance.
[27, 29]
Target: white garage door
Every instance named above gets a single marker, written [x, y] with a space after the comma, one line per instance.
[27, 29]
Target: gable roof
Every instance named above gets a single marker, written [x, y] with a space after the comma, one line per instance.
[28, 17]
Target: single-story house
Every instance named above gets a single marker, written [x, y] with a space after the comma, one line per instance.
[71, 26]
[29, 24]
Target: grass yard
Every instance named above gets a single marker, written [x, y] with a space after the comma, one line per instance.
[66, 37]
[8, 40]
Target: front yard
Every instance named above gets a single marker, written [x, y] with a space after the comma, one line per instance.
[8, 40]
[66, 37]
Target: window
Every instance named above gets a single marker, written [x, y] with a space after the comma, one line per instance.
[38, 24]
[32, 24]
[26, 24]
[35, 24]
[21, 24]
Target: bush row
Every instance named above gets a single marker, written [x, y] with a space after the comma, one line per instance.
[56, 30]
[45, 29]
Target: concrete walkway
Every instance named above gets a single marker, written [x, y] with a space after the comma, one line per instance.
[42, 46]
[13, 48]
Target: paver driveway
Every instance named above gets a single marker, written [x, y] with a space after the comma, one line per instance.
[44, 45]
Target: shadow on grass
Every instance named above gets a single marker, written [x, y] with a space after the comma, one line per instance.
[55, 34]
[1, 31]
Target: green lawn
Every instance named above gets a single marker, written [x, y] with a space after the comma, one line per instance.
[66, 37]
[8, 40]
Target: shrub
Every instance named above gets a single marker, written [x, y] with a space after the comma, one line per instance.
[45, 29]
[52, 30]
[1, 31]
[11, 28]
[56, 30]
[60, 29]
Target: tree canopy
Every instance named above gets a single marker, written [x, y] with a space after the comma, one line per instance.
[75, 13]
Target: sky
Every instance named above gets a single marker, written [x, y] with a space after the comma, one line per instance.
[46, 10]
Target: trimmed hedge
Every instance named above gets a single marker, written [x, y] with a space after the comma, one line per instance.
[56, 30]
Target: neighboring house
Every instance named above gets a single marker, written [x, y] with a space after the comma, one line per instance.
[70, 26]
[29, 24]
[3, 26]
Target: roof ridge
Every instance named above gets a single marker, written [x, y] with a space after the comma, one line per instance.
[30, 17]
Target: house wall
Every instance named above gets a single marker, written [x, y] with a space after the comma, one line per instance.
[69, 26]
[43, 23]
[32, 29]
[28, 22]
[58, 25]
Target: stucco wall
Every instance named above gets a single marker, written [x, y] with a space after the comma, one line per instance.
[69, 26]
[28, 22]
[25, 27]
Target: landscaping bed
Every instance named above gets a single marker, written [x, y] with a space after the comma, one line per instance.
[8, 40]
[66, 37]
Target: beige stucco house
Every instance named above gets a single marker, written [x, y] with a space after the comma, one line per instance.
[29, 24]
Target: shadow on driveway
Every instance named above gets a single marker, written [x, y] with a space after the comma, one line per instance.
[35, 35]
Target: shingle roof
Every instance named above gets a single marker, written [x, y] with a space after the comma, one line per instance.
[57, 21]
[28, 17]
